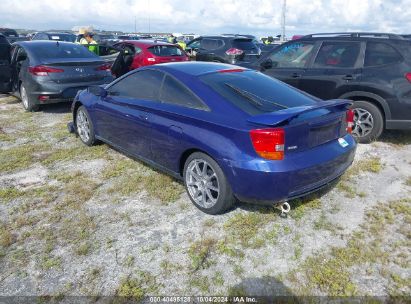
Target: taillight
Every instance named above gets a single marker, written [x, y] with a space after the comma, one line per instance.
[104, 67]
[269, 143]
[41, 70]
[234, 51]
[349, 117]
[408, 76]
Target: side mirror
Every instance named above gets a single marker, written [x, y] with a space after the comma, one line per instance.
[97, 91]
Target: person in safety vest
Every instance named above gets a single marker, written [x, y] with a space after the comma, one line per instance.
[89, 42]
[181, 43]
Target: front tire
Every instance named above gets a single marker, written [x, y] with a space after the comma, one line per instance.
[206, 184]
[27, 100]
[84, 127]
[368, 121]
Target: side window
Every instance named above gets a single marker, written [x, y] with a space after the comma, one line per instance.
[293, 55]
[195, 44]
[174, 92]
[337, 55]
[378, 53]
[137, 50]
[140, 85]
[211, 44]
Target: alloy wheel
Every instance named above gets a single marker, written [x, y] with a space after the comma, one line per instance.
[202, 183]
[363, 122]
[83, 126]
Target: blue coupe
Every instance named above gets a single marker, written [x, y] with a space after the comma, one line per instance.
[229, 133]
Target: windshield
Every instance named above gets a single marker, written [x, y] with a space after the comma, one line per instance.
[256, 93]
[60, 50]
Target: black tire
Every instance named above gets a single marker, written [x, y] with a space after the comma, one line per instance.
[371, 113]
[86, 136]
[28, 102]
[225, 198]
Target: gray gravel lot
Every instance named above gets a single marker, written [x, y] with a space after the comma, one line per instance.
[89, 221]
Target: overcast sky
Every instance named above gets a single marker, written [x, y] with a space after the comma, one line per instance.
[259, 17]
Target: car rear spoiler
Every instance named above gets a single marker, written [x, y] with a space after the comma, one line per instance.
[278, 117]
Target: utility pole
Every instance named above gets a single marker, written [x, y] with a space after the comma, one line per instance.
[135, 24]
[149, 21]
[283, 21]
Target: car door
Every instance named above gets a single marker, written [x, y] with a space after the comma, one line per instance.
[336, 67]
[193, 48]
[288, 62]
[178, 103]
[5, 65]
[123, 117]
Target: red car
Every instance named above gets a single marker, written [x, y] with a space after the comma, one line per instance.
[139, 53]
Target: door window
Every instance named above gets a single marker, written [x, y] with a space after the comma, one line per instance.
[293, 55]
[378, 53]
[140, 85]
[337, 55]
[174, 92]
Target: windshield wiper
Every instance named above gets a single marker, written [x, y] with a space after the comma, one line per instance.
[254, 98]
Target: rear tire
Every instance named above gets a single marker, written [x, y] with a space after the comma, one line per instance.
[368, 121]
[206, 184]
[84, 127]
[27, 100]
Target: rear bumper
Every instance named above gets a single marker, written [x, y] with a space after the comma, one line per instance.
[265, 182]
[60, 92]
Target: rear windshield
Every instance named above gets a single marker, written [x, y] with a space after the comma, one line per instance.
[244, 44]
[9, 33]
[60, 50]
[165, 50]
[256, 93]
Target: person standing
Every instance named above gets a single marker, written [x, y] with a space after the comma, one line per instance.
[89, 41]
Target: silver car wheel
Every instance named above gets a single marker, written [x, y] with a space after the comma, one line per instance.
[24, 97]
[363, 122]
[83, 126]
[202, 183]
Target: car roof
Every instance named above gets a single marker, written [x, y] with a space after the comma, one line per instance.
[196, 68]
[41, 42]
[147, 43]
[228, 37]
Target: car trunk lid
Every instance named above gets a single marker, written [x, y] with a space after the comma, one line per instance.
[76, 70]
[308, 126]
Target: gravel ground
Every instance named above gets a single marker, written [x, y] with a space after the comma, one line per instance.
[89, 221]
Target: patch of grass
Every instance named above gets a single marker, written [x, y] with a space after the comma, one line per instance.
[157, 185]
[81, 152]
[200, 282]
[6, 237]
[218, 279]
[408, 181]
[330, 273]
[20, 157]
[324, 224]
[371, 164]
[49, 262]
[302, 205]
[10, 193]
[119, 167]
[200, 253]
[348, 189]
[83, 249]
[129, 261]
[243, 228]
[137, 286]
[223, 247]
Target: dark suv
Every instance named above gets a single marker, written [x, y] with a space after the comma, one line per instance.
[372, 69]
[232, 49]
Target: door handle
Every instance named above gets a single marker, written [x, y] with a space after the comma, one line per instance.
[348, 77]
[295, 75]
